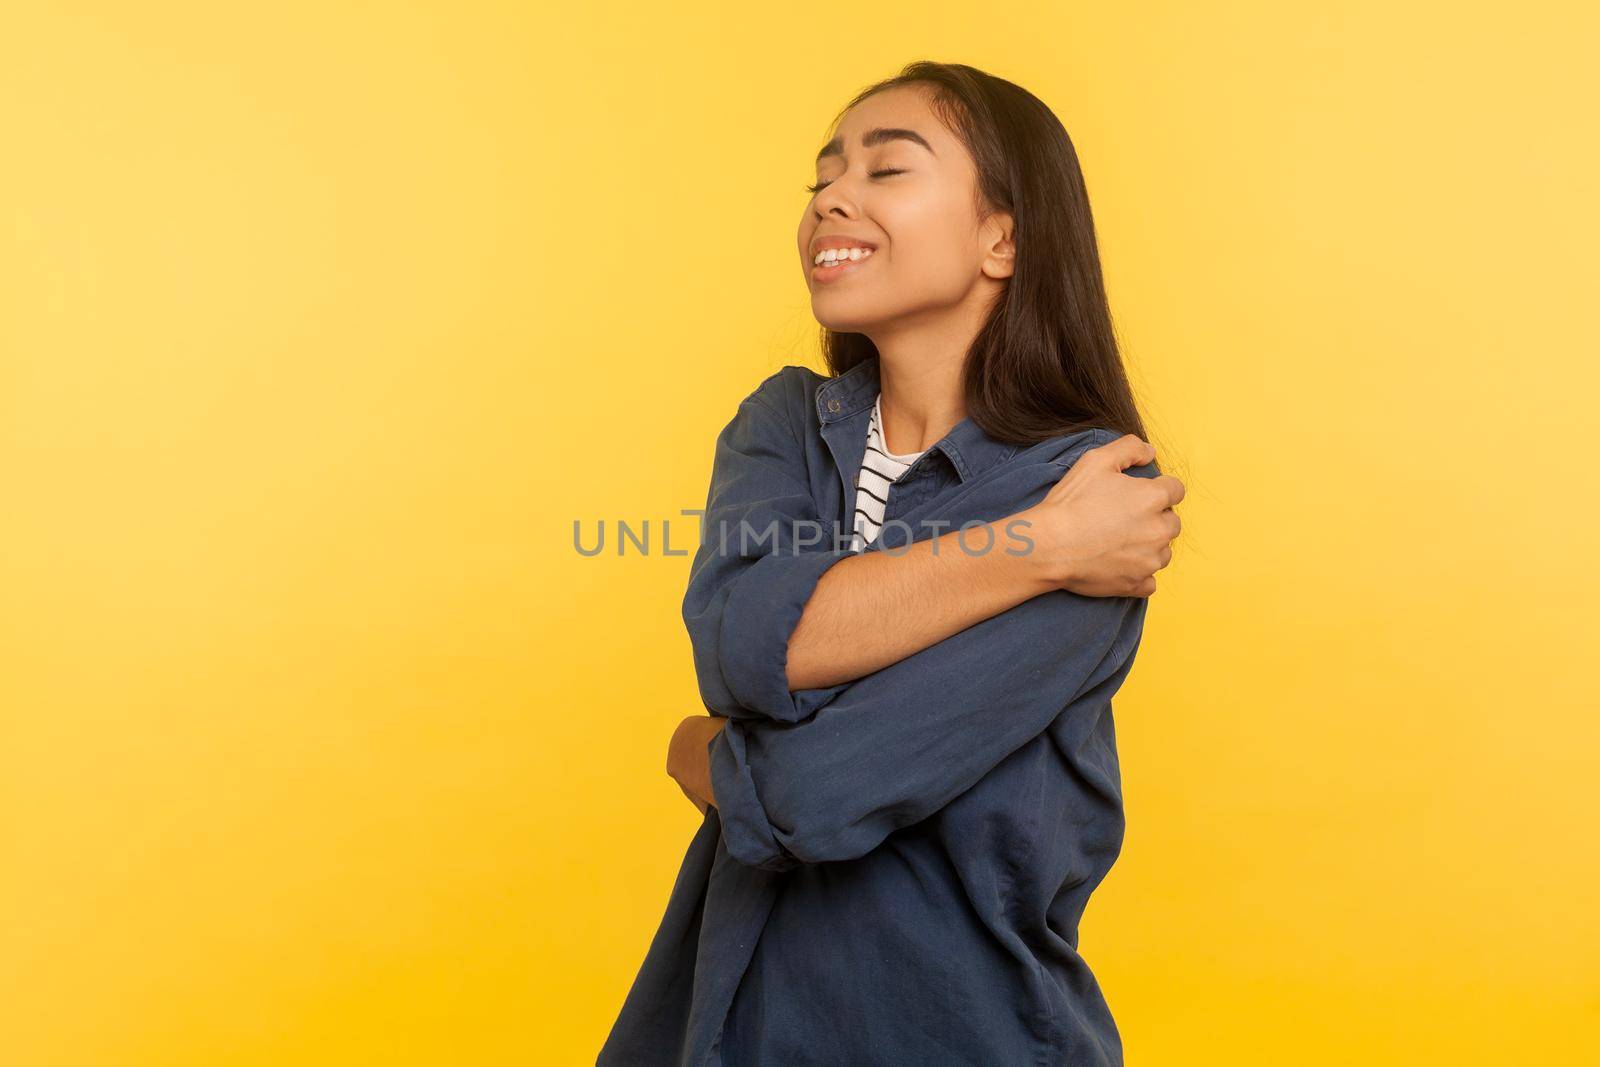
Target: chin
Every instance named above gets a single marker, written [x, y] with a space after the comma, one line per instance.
[845, 323]
[840, 317]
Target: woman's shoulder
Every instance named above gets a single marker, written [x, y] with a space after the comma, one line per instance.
[790, 392]
[1066, 449]
[788, 383]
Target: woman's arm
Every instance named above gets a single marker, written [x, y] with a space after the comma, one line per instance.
[1097, 533]
[877, 608]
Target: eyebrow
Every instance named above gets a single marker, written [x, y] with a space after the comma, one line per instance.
[876, 136]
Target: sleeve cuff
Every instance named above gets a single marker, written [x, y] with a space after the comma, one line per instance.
[745, 829]
[761, 614]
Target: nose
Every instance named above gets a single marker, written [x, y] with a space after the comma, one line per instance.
[833, 200]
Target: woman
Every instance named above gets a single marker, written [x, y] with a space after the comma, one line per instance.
[919, 583]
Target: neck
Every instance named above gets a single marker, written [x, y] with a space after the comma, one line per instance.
[922, 396]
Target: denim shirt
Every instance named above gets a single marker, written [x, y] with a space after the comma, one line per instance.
[896, 866]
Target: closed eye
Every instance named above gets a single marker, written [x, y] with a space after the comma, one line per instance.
[817, 188]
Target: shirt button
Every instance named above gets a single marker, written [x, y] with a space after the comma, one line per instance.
[833, 405]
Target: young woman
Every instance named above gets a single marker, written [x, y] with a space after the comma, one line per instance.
[920, 581]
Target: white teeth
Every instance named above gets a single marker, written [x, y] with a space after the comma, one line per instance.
[829, 256]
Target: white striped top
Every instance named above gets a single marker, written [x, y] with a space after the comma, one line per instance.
[879, 467]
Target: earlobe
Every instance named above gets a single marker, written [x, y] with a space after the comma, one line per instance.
[1002, 262]
[1002, 259]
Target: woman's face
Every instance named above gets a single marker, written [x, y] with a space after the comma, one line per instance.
[911, 199]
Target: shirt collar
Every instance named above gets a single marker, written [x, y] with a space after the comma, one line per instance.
[970, 450]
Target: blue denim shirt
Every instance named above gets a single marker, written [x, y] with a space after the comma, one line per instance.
[896, 866]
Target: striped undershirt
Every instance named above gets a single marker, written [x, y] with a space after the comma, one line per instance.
[879, 467]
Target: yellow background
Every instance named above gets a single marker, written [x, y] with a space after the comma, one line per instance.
[320, 324]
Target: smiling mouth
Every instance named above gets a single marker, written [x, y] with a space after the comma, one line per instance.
[853, 254]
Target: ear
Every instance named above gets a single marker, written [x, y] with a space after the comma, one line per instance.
[1000, 256]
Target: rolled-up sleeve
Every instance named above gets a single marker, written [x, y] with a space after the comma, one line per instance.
[893, 747]
[763, 549]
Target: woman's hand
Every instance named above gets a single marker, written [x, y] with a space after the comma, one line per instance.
[1099, 532]
[688, 763]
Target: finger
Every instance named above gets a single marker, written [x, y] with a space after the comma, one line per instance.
[1173, 522]
[1165, 557]
[1129, 450]
[1147, 587]
[1171, 486]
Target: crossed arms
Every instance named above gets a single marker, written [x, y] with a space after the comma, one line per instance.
[825, 773]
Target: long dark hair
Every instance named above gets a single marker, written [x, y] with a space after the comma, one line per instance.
[1046, 363]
